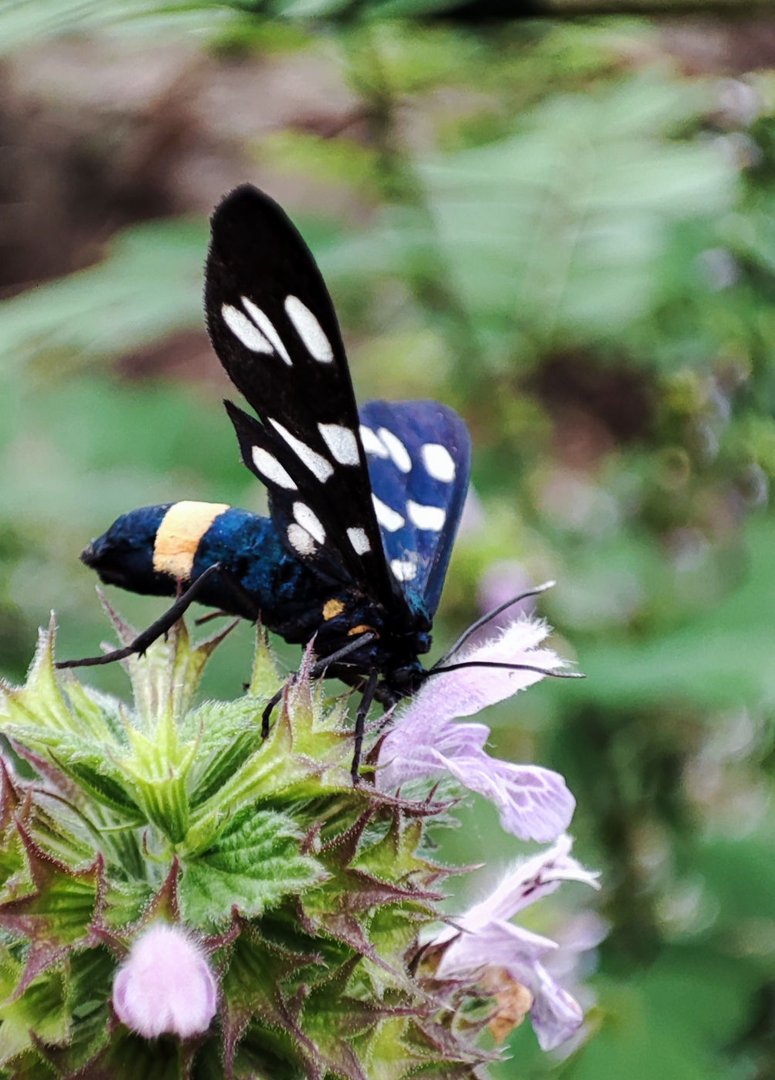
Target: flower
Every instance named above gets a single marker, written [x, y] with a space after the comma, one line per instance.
[165, 985]
[505, 958]
[575, 957]
[533, 803]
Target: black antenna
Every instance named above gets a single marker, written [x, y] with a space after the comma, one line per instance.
[437, 670]
[484, 620]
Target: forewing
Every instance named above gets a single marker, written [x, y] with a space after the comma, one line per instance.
[275, 331]
[419, 455]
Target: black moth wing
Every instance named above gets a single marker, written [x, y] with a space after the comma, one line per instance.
[419, 455]
[273, 326]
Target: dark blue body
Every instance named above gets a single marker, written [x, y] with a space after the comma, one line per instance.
[279, 587]
[261, 579]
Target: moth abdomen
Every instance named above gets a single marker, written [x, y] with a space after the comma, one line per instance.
[156, 550]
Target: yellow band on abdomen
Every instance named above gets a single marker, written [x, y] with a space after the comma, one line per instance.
[178, 536]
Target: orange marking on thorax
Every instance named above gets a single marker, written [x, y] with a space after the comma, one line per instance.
[332, 608]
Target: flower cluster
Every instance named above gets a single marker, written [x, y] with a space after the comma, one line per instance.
[181, 895]
[533, 803]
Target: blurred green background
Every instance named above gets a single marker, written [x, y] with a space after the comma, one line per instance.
[566, 230]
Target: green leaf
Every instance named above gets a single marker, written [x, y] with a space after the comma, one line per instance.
[94, 314]
[395, 855]
[165, 678]
[61, 906]
[568, 219]
[131, 1055]
[265, 678]
[23, 24]
[40, 1009]
[255, 863]
[88, 995]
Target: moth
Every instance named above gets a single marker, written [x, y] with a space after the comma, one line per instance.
[363, 506]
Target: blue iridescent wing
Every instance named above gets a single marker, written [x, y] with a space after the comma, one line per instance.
[419, 455]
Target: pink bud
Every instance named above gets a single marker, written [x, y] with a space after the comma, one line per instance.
[165, 985]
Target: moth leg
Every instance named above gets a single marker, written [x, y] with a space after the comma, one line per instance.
[154, 631]
[266, 715]
[368, 693]
[318, 668]
[360, 724]
[210, 616]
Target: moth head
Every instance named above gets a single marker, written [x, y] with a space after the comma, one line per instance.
[407, 678]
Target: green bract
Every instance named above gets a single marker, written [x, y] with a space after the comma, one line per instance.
[307, 894]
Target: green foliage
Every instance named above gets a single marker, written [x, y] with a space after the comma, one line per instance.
[312, 891]
[224, 874]
[23, 23]
[97, 312]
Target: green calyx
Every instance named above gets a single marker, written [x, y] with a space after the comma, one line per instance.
[306, 893]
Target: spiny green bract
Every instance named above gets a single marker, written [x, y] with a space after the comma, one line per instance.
[307, 893]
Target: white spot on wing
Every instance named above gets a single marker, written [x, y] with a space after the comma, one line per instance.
[341, 442]
[398, 452]
[301, 540]
[245, 331]
[359, 541]
[264, 324]
[309, 330]
[438, 461]
[387, 517]
[426, 517]
[403, 570]
[271, 469]
[309, 521]
[316, 463]
[372, 444]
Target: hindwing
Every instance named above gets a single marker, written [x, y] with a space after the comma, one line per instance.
[419, 455]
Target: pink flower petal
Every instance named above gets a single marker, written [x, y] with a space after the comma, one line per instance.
[482, 938]
[530, 880]
[165, 985]
[555, 1015]
[467, 691]
[533, 803]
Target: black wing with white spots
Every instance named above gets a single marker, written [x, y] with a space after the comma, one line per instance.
[419, 456]
[275, 331]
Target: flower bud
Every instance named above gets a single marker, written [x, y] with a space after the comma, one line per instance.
[165, 985]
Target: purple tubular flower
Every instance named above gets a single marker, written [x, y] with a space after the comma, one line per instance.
[483, 939]
[533, 803]
[165, 985]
